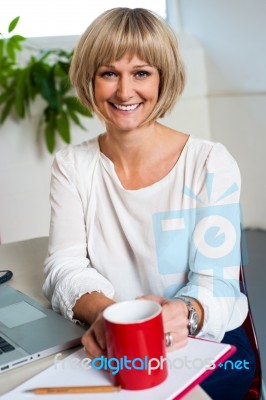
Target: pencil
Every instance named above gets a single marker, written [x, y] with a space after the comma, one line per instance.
[75, 389]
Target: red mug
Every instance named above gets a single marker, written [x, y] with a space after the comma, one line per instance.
[135, 342]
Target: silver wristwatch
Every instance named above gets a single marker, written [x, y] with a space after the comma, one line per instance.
[193, 318]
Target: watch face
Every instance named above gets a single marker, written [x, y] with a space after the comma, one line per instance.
[193, 319]
[193, 322]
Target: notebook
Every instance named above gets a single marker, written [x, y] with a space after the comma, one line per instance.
[187, 367]
[29, 331]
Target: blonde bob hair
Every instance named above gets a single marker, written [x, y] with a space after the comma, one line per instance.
[135, 31]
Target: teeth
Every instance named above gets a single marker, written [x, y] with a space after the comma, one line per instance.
[126, 108]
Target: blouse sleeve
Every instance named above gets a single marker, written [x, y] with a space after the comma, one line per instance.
[215, 250]
[68, 271]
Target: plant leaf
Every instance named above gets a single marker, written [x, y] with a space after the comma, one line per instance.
[31, 89]
[6, 109]
[13, 24]
[44, 75]
[50, 135]
[1, 49]
[75, 119]
[43, 54]
[21, 93]
[10, 49]
[43, 78]
[64, 66]
[62, 125]
[16, 40]
[73, 103]
[4, 96]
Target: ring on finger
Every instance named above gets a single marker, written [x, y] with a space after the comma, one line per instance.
[168, 339]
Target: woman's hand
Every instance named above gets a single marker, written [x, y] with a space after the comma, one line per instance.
[175, 320]
[88, 309]
[94, 339]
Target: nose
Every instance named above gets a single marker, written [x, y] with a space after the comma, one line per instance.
[125, 88]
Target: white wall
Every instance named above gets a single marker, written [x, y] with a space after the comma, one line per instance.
[25, 178]
[233, 35]
[191, 113]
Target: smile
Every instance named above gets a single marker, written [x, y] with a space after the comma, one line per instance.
[129, 107]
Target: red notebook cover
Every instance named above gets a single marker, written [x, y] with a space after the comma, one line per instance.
[207, 372]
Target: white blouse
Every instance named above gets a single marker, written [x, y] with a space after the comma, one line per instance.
[180, 235]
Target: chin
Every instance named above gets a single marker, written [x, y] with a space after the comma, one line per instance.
[126, 126]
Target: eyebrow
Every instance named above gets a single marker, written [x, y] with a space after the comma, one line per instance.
[134, 67]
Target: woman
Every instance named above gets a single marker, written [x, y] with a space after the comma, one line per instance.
[133, 210]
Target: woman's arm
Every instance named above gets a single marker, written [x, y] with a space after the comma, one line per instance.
[89, 309]
[215, 248]
[68, 272]
[90, 305]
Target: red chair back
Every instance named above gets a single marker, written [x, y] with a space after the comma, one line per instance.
[254, 392]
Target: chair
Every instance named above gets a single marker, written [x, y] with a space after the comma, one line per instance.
[255, 389]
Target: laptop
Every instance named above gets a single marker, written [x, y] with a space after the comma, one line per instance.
[29, 331]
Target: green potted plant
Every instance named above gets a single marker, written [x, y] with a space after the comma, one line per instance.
[44, 74]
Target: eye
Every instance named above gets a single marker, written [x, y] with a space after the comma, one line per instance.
[142, 74]
[108, 74]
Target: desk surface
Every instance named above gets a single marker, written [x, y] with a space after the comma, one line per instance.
[25, 260]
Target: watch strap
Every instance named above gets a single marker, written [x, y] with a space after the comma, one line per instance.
[193, 318]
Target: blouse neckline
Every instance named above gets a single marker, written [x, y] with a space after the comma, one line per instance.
[109, 166]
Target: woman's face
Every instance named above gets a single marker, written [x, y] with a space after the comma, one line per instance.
[126, 92]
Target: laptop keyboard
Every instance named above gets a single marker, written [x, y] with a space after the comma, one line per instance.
[5, 347]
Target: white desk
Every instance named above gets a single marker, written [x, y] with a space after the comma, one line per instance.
[25, 260]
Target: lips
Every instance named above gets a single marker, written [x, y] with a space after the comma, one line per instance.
[129, 107]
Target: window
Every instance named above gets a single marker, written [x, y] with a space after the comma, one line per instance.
[63, 17]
